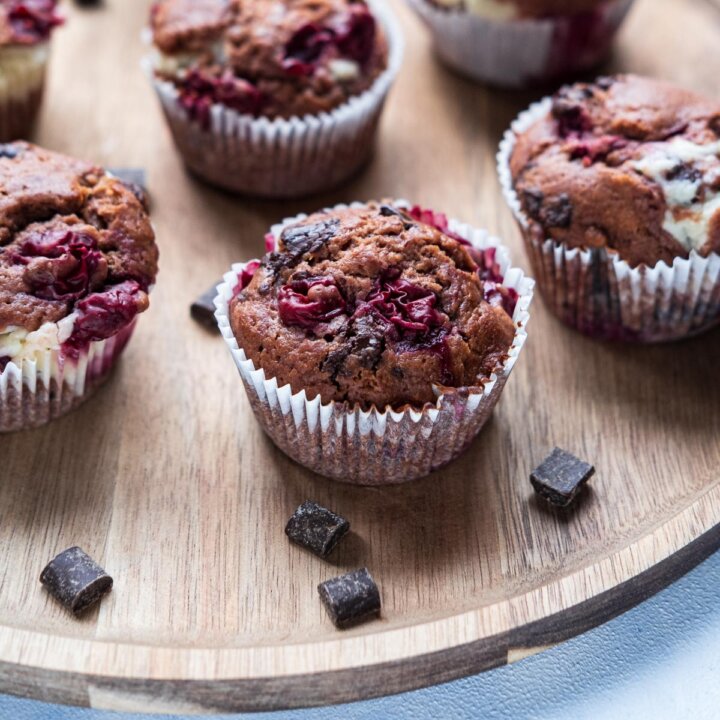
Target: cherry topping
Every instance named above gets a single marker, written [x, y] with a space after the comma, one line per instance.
[32, 20]
[72, 268]
[200, 91]
[307, 303]
[595, 148]
[247, 274]
[101, 315]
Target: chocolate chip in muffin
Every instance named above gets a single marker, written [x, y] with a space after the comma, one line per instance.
[316, 528]
[533, 200]
[560, 477]
[300, 240]
[351, 599]
[9, 151]
[75, 580]
[557, 211]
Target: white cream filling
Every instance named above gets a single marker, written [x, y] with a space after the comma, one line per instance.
[491, 9]
[686, 219]
[20, 345]
[344, 70]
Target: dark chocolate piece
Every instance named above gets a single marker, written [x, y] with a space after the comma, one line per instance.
[316, 528]
[351, 599]
[389, 211]
[560, 477]
[136, 180]
[8, 151]
[203, 309]
[76, 580]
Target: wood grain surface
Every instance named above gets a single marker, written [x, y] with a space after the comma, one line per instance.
[166, 479]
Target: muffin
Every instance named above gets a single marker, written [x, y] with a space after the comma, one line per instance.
[25, 29]
[616, 186]
[518, 43]
[77, 261]
[375, 340]
[276, 98]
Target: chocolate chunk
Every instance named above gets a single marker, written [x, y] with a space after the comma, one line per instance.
[136, 180]
[76, 580]
[203, 309]
[351, 599]
[684, 171]
[8, 151]
[389, 211]
[316, 528]
[605, 82]
[557, 212]
[532, 200]
[302, 239]
[560, 477]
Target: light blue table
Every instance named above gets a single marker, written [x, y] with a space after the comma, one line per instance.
[660, 660]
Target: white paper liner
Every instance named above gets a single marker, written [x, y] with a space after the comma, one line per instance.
[516, 53]
[597, 292]
[22, 80]
[33, 392]
[375, 447]
[284, 158]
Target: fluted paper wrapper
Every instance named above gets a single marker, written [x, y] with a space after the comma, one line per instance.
[375, 447]
[34, 392]
[598, 293]
[521, 52]
[22, 80]
[284, 158]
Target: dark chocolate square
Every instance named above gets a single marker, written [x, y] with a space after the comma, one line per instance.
[351, 599]
[203, 309]
[316, 528]
[560, 477]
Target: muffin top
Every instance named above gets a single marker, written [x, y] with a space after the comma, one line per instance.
[275, 58]
[627, 163]
[27, 22]
[74, 243]
[510, 9]
[374, 305]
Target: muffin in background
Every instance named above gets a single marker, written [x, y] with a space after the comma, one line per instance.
[520, 43]
[616, 187]
[274, 98]
[77, 261]
[375, 341]
[25, 30]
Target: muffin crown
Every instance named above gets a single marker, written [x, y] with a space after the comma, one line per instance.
[276, 58]
[75, 243]
[628, 163]
[375, 305]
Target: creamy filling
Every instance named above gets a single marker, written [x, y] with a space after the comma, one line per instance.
[22, 346]
[491, 9]
[687, 173]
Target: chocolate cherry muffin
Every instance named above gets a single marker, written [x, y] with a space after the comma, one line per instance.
[377, 311]
[249, 85]
[623, 174]
[516, 43]
[25, 29]
[77, 261]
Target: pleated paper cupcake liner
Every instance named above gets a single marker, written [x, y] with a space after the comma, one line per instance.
[34, 392]
[284, 158]
[598, 293]
[22, 81]
[376, 446]
[521, 52]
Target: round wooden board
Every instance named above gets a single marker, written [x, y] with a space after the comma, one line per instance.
[166, 479]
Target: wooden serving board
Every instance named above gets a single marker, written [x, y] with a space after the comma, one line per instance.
[165, 477]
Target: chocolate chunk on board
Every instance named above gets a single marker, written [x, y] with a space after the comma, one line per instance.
[76, 580]
[203, 309]
[351, 599]
[316, 528]
[560, 477]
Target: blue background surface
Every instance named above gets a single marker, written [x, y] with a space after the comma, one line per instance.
[660, 660]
